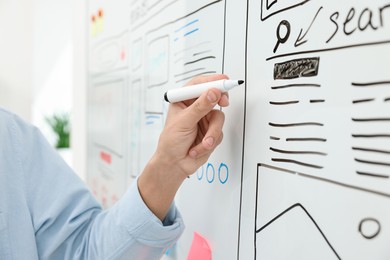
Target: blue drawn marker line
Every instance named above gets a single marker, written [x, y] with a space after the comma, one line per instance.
[191, 32]
[223, 166]
[188, 24]
[209, 165]
[153, 117]
[197, 173]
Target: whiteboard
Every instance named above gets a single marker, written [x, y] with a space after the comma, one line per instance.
[303, 171]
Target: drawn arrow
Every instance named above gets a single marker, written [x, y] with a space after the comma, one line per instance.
[269, 5]
[299, 41]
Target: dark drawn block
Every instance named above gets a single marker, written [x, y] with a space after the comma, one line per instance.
[307, 67]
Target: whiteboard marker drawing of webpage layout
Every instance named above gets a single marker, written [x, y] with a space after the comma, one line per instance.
[106, 127]
[108, 63]
[107, 117]
[109, 54]
[166, 52]
[180, 49]
[321, 86]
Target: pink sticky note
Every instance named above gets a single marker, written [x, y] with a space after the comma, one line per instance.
[200, 249]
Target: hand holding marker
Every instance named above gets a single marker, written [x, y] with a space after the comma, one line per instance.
[194, 91]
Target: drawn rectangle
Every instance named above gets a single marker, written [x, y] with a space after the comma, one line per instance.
[107, 100]
[306, 67]
[158, 61]
[135, 126]
[272, 7]
[157, 72]
[136, 57]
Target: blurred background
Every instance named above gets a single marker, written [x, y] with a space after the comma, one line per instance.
[43, 68]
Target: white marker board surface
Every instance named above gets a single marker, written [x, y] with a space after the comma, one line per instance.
[303, 171]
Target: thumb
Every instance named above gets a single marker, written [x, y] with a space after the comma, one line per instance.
[201, 107]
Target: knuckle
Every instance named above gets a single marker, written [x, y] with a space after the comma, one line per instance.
[198, 108]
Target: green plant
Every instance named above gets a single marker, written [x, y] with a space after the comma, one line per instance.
[60, 124]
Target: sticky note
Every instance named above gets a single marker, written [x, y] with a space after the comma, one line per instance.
[200, 249]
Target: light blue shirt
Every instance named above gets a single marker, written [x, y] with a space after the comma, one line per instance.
[46, 211]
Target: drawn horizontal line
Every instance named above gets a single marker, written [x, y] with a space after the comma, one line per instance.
[362, 100]
[297, 162]
[317, 100]
[153, 113]
[372, 162]
[153, 116]
[170, 22]
[306, 139]
[188, 24]
[191, 32]
[157, 85]
[369, 84]
[373, 174]
[152, 6]
[201, 52]
[378, 119]
[192, 47]
[284, 102]
[325, 180]
[297, 152]
[195, 61]
[199, 74]
[179, 59]
[187, 72]
[274, 138]
[296, 86]
[371, 135]
[370, 150]
[328, 49]
[296, 124]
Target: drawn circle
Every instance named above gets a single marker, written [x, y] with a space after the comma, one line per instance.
[283, 39]
[209, 165]
[201, 170]
[288, 27]
[221, 169]
[369, 228]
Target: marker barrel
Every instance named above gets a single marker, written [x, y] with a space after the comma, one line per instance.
[194, 91]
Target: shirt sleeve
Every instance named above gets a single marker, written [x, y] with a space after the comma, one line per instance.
[70, 224]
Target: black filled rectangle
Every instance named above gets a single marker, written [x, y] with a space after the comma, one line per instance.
[297, 68]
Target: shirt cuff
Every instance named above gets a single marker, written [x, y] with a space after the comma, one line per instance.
[144, 226]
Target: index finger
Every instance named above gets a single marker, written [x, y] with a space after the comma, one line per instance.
[203, 79]
[200, 107]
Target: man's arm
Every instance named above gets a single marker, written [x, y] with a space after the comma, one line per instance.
[192, 131]
[67, 221]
